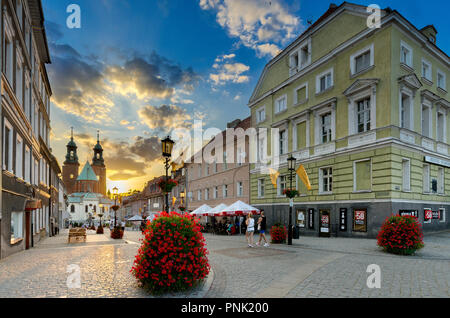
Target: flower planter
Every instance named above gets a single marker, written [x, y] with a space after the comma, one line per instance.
[167, 186]
[278, 234]
[401, 235]
[291, 193]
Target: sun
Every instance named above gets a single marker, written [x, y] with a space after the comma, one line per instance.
[123, 186]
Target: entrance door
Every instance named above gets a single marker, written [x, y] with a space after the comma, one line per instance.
[27, 229]
[324, 226]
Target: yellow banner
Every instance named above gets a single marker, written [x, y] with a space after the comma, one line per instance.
[174, 199]
[301, 172]
[274, 177]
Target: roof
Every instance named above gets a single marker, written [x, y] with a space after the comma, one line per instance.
[87, 174]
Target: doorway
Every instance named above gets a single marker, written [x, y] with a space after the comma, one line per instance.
[27, 230]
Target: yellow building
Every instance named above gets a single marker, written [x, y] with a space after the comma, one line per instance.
[365, 110]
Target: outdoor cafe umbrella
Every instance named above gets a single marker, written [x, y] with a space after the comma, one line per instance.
[239, 208]
[202, 211]
[136, 218]
[217, 210]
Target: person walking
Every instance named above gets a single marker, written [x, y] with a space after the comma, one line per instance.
[250, 222]
[262, 225]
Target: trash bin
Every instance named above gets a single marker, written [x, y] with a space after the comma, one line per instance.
[296, 234]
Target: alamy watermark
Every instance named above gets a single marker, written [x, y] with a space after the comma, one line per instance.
[374, 279]
[74, 19]
[74, 279]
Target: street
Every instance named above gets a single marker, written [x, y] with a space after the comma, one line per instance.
[312, 267]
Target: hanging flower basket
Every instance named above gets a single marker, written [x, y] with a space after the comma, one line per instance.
[182, 208]
[167, 186]
[291, 193]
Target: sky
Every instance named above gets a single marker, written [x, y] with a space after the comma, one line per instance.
[136, 69]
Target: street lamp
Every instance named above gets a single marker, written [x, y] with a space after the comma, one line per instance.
[100, 215]
[291, 166]
[115, 207]
[167, 146]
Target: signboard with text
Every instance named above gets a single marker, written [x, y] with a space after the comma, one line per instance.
[343, 219]
[311, 219]
[414, 213]
[324, 229]
[360, 220]
[428, 215]
[301, 218]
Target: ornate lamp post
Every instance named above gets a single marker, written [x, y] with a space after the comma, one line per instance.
[167, 146]
[115, 207]
[291, 166]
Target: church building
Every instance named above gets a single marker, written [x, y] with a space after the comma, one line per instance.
[93, 175]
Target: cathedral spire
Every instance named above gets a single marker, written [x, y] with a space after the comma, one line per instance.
[98, 153]
[71, 156]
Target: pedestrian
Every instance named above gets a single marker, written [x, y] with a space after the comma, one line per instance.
[262, 226]
[250, 222]
[229, 226]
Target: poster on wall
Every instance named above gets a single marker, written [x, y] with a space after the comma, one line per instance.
[311, 219]
[360, 220]
[301, 218]
[428, 215]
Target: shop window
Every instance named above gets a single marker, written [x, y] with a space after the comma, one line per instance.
[16, 226]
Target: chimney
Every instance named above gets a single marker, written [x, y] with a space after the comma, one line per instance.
[430, 32]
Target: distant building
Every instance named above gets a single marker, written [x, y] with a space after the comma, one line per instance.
[87, 206]
[226, 182]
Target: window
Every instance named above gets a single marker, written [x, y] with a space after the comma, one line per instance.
[240, 156]
[280, 104]
[363, 112]
[7, 146]
[406, 54]
[440, 127]
[301, 94]
[215, 167]
[362, 175]
[305, 54]
[406, 175]
[426, 70]
[261, 188]
[426, 124]
[324, 81]
[405, 111]
[19, 78]
[16, 226]
[325, 125]
[225, 191]
[216, 192]
[72, 208]
[426, 178]
[36, 172]
[262, 148]
[283, 141]
[261, 115]
[300, 58]
[207, 170]
[199, 171]
[9, 57]
[441, 80]
[293, 63]
[282, 183]
[440, 180]
[206, 194]
[362, 60]
[199, 195]
[240, 189]
[27, 164]
[19, 157]
[325, 180]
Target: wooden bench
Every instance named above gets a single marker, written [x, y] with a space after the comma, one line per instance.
[77, 234]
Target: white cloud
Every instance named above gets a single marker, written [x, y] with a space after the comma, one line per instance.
[259, 24]
[228, 71]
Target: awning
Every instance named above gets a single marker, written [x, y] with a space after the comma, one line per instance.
[32, 205]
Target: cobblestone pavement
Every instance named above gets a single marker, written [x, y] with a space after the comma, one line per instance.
[312, 267]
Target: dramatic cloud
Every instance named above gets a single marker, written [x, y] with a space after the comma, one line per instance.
[259, 24]
[227, 71]
[165, 117]
[147, 148]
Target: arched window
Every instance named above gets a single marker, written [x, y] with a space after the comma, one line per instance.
[87, 207]
[72, 208]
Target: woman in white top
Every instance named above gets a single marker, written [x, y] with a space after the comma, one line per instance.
[250, 229]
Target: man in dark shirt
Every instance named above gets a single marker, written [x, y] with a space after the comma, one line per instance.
[262, 229]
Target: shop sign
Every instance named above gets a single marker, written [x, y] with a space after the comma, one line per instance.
[311, 219]
[414, 213]
[428, 215]
[324, 223]
[436, 215]
[343, 220]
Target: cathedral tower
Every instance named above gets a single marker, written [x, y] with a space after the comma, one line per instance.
[98, 164]
[71, 166]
